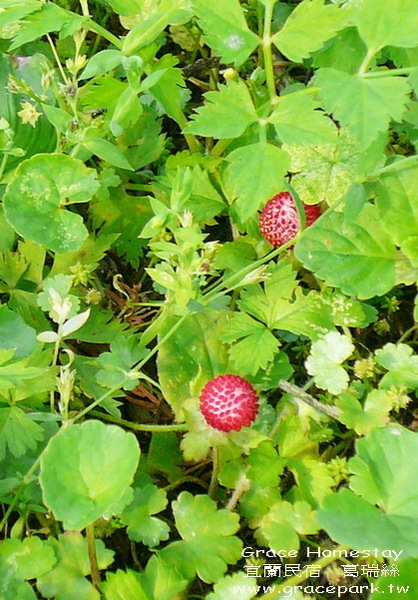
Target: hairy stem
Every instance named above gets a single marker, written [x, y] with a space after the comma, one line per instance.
[91, 546]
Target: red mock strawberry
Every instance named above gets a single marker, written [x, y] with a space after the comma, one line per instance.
[279, 219]
[228, 403]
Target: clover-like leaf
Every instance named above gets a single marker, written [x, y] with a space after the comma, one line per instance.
[28, 559]
[401, 364]
[387, 23]
[142, 526]
[284, 521]
[36, 197]
[73, 566]
[375, 412]
[238, 586]
[208, 543]
[324, 361]
[86, 470]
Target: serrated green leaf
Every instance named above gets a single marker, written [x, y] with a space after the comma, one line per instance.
[377, 102]
[72, 565]
[324, 361]
[17, 432]
[170, 92]
[238, 586]
[401, 364]
[226, 30]
[226, 113]
[14, 333]
[397, 201]
[387, 23]
[50, 18]
[254, 345]
[208, 543]
[358, 257]
[194, 347]
[281, 525]
[142, 526]
[72, 471]
[264, 465]
[292, 40]
[314, 482]
[375, 412]
[161, 581]
[254, 175]
[324, 172]
[345, 52]
[297, 121]
[29, 559]
[383, 475]
[123, 585]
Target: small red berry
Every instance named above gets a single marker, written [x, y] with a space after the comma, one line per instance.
[279, 219]
[228, 403]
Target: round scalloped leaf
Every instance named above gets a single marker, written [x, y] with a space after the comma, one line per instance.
[36, 197]
[356, 256]
[85, 471]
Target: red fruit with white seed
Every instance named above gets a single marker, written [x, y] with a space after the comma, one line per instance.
[228, 403]
[279, 219]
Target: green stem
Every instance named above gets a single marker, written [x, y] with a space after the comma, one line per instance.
[185, 479]
[364, 67]
[58, 60]
[220, 146]
[302, 576]
[96, 28]
[139, 426]
[399, 164]
[3, 165]
[91, 546]
[388, 72]
[267, 54]
[407, 333]
[215, 472]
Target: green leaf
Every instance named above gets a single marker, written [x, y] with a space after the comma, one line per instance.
[14, 333]
[37, 193]
[170, 92]
[345, 52]
[226, 114]
[28, 559]
[142, 526]
[226, 30]
[387, 23]
[208, 543]
[254, 175]
[264, 464]
[324, 361]
[254, 345]
[357, 256]
[73, 566]
[297, 121]
[194, 347]
[50, 18]
[161, 581]
[401, 364]
[384, 475]
[72, 471]
[123, 585]
[292, 40]
[314, 482]
[18, 432]
[375, 412]
[324, 172]
[377, 102]
[108, 152]
[164, 455]
[234, 587]
[397, 202]
[102, 62]
[284, 521]
[406, 581]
